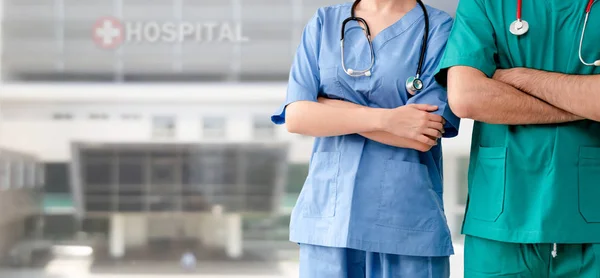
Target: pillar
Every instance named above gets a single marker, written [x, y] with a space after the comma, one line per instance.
[117, 236]
[233, 243]
[136, 231]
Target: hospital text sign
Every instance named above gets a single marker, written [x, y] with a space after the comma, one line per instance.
[111, 32]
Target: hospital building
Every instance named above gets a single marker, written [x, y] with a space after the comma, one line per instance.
[149, 142]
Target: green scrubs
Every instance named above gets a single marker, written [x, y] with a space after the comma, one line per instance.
[530, 183]
[486, 258]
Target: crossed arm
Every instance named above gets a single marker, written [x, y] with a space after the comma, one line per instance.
[522, 96]
[378, 135]
[409, 126]
[576, 94]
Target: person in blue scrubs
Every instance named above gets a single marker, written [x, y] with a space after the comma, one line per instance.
[372, 203]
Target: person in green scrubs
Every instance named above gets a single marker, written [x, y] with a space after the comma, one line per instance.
[534, 176]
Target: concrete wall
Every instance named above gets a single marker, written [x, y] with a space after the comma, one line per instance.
[10, 233]
[28, 116]
[136, 230]
[131, 231]
[15, 206]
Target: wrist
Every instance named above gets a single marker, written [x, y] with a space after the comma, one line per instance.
[517, 79]
[378, 118]
[511, 76]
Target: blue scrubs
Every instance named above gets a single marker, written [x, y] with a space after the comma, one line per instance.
[330, 262]
[360, 194]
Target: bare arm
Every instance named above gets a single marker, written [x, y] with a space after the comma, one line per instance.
[578, 94]
[320, 120]
[473, 95]
[381, 136]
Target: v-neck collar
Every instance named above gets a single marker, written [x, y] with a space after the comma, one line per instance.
[394, 30]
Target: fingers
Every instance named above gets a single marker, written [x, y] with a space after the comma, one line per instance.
[434, 139]
[436, 126]
[426, 140]
[434, 133]
[435, 118]
[425, 107]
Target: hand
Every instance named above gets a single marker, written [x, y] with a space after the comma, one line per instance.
[416, 122]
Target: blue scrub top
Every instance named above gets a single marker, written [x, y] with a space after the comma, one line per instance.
[361, 194]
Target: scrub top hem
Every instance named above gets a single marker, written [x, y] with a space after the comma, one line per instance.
[483, 230]
[403, 247]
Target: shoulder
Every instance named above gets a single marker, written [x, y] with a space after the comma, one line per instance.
[439, 19]
[332, 12]
[440, 25]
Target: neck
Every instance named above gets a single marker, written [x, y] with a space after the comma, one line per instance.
[387, 5]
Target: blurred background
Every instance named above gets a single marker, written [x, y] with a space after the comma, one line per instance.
[135, 138]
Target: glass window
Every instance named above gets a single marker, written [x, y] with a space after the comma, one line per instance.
[131, 171]
[163, 127]
[30, 174]
[62, 116]
[40, 174]
[214, 127]
[216, 167]
[131, 117]
[263, 128]
[16, 174]
[99, 116]
[4, 173]
[57, 178]
[262, 171]
[98, 173]
[163, 171]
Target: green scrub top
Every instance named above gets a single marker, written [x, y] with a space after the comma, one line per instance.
[530, 183]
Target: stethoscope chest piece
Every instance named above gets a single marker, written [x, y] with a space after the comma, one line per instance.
[414, 85]
[519, 27]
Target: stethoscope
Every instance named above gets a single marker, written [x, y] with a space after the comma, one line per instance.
[519, 27]
[414, 84]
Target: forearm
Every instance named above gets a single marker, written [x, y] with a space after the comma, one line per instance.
[572, 93]
[483, 99]
[379, 136]
[320, 120]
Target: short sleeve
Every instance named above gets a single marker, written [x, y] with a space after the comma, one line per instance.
[472, 41]
[303, 84]
[433, 93]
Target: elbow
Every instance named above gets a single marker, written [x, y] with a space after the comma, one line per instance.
[293, 122]
[464, 97]
[461, 105]
[292, 126]
[596, 115]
